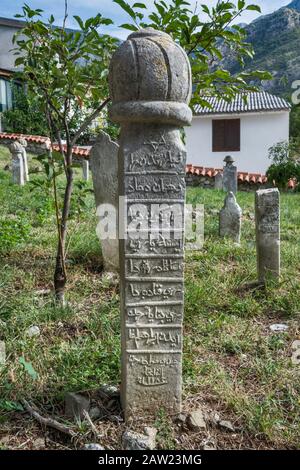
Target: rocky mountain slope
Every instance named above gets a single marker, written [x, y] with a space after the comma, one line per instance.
[276, 41]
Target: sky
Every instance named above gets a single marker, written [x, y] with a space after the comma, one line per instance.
[88, 8]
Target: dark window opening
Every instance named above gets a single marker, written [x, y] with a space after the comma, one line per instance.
[226, 135]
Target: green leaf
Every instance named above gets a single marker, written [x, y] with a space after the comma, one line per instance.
[79, 21]
[19, 61]
[6, 405]
[254, 8]
[28, 368]
[241, 4]
[139, 5]
[126, 7]
[205, 9]
[131, 27]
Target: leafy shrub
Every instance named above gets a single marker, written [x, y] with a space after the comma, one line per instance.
[12, 232]
[26, 116]
[285, 165]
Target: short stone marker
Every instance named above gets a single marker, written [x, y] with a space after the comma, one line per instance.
[85, 169]
[231, 219]
[18, 171]
[230, 175]
[23, 142]
[267, 219]
[150, 83]
[104, 167]
[2, 353]
[219, 181]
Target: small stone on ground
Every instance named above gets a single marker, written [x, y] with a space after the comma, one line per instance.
[95, 413]
[208, 444]
[92, 446]
[277, 327]
[136, 441]
[75, 405]
[33, 331]
[109, 391]
[196, 420]
[226, 425]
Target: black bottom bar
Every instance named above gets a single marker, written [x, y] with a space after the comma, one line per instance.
[134, 459]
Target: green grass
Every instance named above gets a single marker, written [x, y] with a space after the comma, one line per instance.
[232, 360]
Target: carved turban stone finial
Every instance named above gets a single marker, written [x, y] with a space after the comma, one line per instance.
[16, 147]
[150, 80]
[23, 142]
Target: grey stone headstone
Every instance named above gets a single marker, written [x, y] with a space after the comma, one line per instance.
[219, 181]
[18, 172]
[23, 142]
[104, 167]
[231, 219]
[267, 219]
[85, 169]
[230, 182]
[150, 84]
[2, 353]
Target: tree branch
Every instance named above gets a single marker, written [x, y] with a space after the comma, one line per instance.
[48, 422]
[88, 121]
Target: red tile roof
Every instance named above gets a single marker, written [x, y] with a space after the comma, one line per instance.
[30, 138]
[255, 178]
[38, 139]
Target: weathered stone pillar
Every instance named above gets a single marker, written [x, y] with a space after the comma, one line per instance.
[230, 182]
[23, 142]
[267, 218]
[104, 167]
[231, 219]
[18, 174]
[150, 82]
[85, 169]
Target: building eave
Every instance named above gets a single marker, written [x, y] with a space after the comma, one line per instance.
[242, 113]
[12, 22]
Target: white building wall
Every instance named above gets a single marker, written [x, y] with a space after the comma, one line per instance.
[259, 131]
[7, 57]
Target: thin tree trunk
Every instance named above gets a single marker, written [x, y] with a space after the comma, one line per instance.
[60, 275]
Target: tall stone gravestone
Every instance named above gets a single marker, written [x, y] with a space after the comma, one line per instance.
[231, 219]
[230, 175]
[18, 171]
[150, 82]
[104, 167]
[267, 218]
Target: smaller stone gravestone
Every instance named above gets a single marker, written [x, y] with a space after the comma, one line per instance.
[219, 181]
[267, 218]
[23, 142]
[230, 175]
[104, 167]
[18, 173]
[2, 353]
[231, 219]
[85, 169]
